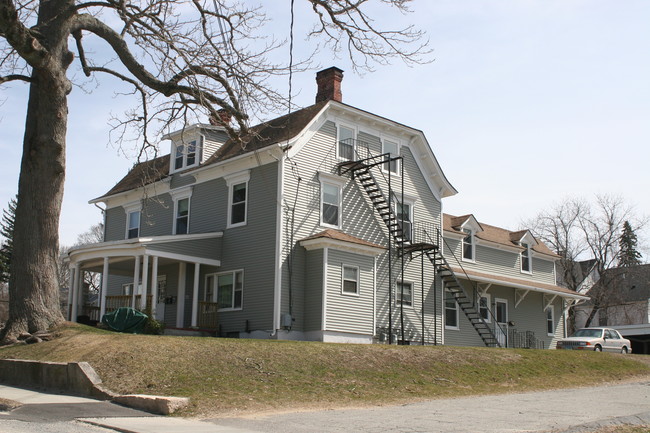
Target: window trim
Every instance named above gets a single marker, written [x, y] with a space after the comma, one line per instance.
[343, 280]
[399, 153]
[552, 319]
[242, 177]
[215, 292]
[455, 309]
[197, 142]
[398, 302]
[529, 258]
[355, 133]
[411, 204]
[469, 232]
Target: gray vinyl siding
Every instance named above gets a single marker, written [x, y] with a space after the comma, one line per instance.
[178, 180]
[115, 228]
[158, 216]
[359, 219]
[211, 142]
[345, 312]
[500, 262]
[313, 300]
[205, 248]
[251, 248]
[528, 316]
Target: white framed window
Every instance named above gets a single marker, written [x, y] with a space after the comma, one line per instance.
[182, 201]
[484, 308]
[237, 198]
[550, 321]
[404, 293]
[468, 245]
[391, 147]
[330, 200]
[346, 136]
[451, 311]
[350, 280]
[225, 288]
[404, 213]
[185, 155]
[526, 259]
[133, 220]
[127, 289]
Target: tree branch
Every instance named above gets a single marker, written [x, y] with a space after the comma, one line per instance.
[15, 77]
[21, 38]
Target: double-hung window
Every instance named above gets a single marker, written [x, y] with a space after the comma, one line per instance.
[405, 218]
[484, 308]
[133, 220]
[346, 139]
[330, 205]
[550, 321]
[404, 295]
[451, 311]
[237, 198]
[468, 245]
[526, 265]
[185, 155]
[182, 201]
[391, 150]
[350, 280]
[226, 288]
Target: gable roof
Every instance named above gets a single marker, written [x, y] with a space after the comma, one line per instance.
[495, 234]
[341, 236]
[143, 173]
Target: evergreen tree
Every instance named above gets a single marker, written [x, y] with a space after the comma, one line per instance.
[628, 254]
[7, 230]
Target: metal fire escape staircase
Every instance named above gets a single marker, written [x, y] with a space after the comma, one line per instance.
[361, 170]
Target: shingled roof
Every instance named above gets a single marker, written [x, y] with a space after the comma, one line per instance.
[265, 134]
[494, 234]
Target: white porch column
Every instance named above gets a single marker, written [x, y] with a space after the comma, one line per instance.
[180, 299]
[70, 292]
[145, 282]
[104, 289]
[136, 280]
[195, 295]
[154, 286]
[75, 292]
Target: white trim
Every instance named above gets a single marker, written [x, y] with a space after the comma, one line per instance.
[488, 298]
[180, 298]
[325, 264]
[279, 239]
[383, 138]
[339, 189]
[472, 236]
[355, 132]
[145, 281]
[374, 296]
[405, 282]
[195, 139]
[548, 300]
[215, 290]
[528, 251]
[550, 308]
[154, 285]
[357, 281]
[136, 279]
[104, 288]
[520, 294]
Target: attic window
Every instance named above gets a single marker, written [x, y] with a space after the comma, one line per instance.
[185, 155]
[468, 245]
[526, 265]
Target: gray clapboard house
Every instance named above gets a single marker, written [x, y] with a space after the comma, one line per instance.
[325, 225]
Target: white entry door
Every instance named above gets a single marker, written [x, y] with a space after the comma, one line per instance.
[162, 294]
[501, 313]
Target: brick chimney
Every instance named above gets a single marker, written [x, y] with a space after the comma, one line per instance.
[329, 84]
[224, 116]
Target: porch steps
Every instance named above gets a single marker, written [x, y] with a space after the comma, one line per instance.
[361, 170]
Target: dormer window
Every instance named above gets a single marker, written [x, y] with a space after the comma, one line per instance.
[526, 263]
[468, 245]
[185, 155]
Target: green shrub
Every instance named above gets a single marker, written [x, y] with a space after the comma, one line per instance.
[153, 327]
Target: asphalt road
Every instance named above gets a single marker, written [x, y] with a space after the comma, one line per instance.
[560, 410]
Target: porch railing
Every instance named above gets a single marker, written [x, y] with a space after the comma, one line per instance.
[208, 315]
[524, 340]
[112, 304]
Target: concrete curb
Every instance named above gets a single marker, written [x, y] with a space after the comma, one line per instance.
[79, 378]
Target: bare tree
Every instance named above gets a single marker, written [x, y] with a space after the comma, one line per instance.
[183, 59]
[577, 229]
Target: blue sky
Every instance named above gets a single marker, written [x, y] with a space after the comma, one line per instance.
[526, 102]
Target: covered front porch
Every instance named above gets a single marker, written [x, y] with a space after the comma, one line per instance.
[160, 276]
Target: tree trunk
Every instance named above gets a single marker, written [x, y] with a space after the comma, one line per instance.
[34, 303]
[592, 314]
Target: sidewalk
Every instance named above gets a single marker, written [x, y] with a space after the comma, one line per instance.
[42, 408]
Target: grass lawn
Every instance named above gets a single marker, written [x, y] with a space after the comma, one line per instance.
[231, 376]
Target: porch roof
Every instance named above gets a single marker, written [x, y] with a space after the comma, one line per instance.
[194, 248]
[518, 283]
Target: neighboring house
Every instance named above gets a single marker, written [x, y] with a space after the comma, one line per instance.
[325, 225]
[625, 304]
